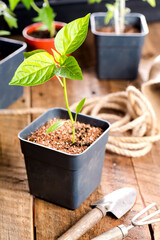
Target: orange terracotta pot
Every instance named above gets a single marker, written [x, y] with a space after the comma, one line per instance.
[38, 43]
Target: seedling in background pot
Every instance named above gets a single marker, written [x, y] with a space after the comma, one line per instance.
[118, 10]
[46, 15]
[9, 17]
[39, 66]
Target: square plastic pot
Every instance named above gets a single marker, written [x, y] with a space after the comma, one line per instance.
[118, 55]
[58, 177]
[12, 56]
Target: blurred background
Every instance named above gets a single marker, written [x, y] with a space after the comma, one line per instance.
[68, 10]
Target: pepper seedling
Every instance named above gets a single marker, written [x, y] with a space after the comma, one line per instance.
[9, 17]
[46, 14]
[117, 11]
[39, 66]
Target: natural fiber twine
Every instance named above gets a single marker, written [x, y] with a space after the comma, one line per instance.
[134, 126]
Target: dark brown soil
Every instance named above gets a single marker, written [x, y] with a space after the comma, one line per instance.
[61, 139]
[128, 29]
[40, 34]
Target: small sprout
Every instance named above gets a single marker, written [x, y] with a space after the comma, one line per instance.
[79, 107]
[55, 126]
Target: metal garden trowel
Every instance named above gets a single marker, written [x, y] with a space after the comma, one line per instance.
[118, 203]
[121, 231]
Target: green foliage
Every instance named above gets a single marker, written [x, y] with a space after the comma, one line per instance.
[79, 107]
[34, 70]
[55, 126]
[28, 54]
[27, 3]
[13, 4]
[69, 69]
[72, 35]
[151, 2]
[117, 10]
[94, 1]
[110, 12]
[45, 13]
[4, 33]
[8, 16]
[40, 66]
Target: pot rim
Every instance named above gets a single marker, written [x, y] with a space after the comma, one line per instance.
[26, 29]
[144, 31]
[22, 47]
[63, 109]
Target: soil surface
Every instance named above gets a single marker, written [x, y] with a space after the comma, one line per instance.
[61, 139]
[41, 34]
[128, 29]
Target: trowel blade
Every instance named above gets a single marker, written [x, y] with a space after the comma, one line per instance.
[118, 202]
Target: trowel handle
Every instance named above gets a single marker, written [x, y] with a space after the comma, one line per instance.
[84, 224]
[117, 233]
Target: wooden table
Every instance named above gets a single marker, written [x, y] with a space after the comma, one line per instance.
[23, 217]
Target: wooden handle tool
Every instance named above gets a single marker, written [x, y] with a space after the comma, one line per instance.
[118, 203]
[117, 233]
[84, 224]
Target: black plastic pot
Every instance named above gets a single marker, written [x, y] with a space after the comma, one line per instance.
[58, 177]
[118, 55]
[12, 55]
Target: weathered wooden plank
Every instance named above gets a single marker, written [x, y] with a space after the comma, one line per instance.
[52, 221]
[147, 171]
[15, 215]
[16, 210]
[147, 168]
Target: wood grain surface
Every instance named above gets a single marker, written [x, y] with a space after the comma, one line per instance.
[23, 217]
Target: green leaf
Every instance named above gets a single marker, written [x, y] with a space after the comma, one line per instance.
[94, 1]
[28, 54]
[37, 19]
[11, 20]
[63, 59]
[46, 14]
[72, 35]
[4, 33]
[151, 2]
[59, 58]
[13, 4]
[110, 13]
[27, 3]
[34, 70]
[79, 107]
[70, 69]
[55, 126]
[56, 55]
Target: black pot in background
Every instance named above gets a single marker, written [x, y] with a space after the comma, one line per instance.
[118, 55]
[11, 52]
[58, 177]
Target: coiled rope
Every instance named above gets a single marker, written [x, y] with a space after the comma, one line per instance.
[134, 126]
[133, 120]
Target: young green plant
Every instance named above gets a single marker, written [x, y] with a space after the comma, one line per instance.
[39, 66]
[45, 13]
[118, 10]
[8, 16]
